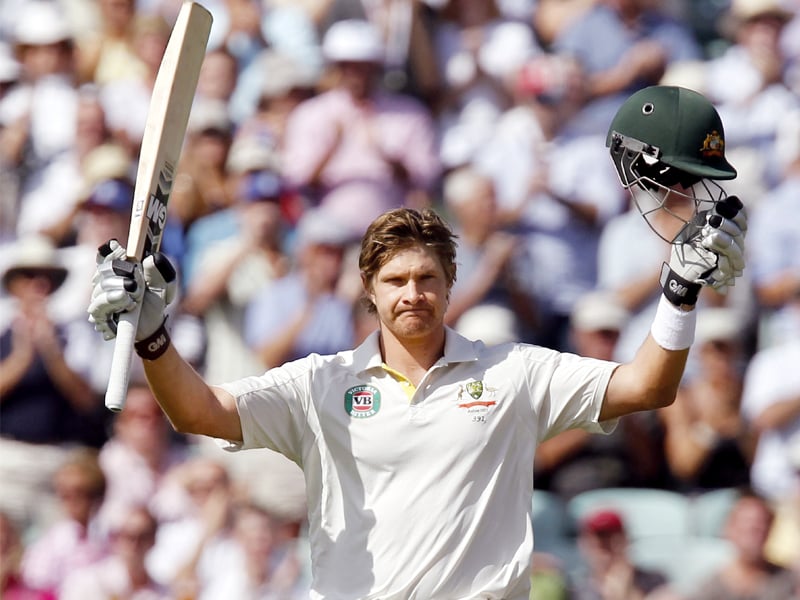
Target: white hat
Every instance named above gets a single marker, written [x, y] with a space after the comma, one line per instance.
[41, 23]
[597, 311]
[718, 324]
[249, 153]
[353, 40]
[319, 227]
[744, 10]
[490, 323]
[35, 254]
[283, 73]
[208, 115]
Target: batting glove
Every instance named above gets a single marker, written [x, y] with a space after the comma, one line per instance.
[119, 285]
[709, 250]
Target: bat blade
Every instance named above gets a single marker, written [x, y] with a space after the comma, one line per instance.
[165, 128]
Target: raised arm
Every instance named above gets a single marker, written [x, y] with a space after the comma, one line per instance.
[191, 405]
[708, 251]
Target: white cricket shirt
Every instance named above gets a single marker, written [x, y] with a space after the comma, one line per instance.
[427, 499]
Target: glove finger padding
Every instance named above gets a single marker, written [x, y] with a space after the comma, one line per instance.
[118, 285]
[161, 285]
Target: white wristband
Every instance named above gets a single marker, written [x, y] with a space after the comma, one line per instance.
[673, 328]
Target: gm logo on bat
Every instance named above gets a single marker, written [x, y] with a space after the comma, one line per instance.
[157, 211]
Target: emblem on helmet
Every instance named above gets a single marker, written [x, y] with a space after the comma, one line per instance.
[713, 145]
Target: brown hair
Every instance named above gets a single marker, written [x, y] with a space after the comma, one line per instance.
[85, 463]
[400, 229]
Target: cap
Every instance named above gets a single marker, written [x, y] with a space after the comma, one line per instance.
[261, 185]
[249, 153]
[603, 522]
[284, 74]
[209, 115]
[508, 46]
[107, 161]
[112, 194]
[318, 227]
[41, 23]
[35, 254]
[598, 311]
[353, 40]
[490, 323]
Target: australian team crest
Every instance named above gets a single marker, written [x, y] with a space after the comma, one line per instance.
[475, 389]
[362, 401]
[713, 145]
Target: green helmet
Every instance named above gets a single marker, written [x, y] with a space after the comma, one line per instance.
[668, 135]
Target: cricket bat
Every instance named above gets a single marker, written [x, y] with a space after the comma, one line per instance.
[162, 141]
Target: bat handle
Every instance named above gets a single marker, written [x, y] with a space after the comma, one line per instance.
[117, 388]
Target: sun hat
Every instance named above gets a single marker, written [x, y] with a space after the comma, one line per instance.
[40, 23]
[35, 255]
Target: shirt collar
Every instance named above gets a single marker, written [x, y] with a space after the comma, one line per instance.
[457, 349]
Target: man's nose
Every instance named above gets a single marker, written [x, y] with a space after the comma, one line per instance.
[413, 292]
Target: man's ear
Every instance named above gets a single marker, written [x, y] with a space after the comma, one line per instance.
[367, 285]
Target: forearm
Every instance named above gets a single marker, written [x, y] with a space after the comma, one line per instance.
[648, 382]
[12, 370]
[191, 405]
[74, 387]
[212, 285]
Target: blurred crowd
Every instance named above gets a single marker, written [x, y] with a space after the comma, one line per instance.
[312, 117]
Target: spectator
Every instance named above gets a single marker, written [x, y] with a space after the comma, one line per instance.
[203, 184]
[623, 45]
[749, 574]
[110, 54]
[205, 524]
[47, 399]
[477, 49]
[775, 247]
[136, 459]
[239, 32]
[771, 404]
[262, 105]
[355, 149]
[709, 444]
[127, 99]
[38, 116]
[218, 77]
[252, 565]
[74, 540]
[610, 574]
[303, 311]
[75, 170]
[486, 253]
[12, 586]
[231, 255]
[557, 189]
[123, 574]
[575, 461]
[747, 82]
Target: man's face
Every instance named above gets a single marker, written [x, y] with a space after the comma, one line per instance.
[410, 293]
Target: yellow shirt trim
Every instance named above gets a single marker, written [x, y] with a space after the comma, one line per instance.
[408, 387]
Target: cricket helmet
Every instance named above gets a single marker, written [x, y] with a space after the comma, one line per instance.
[668, 143]
[673, 126]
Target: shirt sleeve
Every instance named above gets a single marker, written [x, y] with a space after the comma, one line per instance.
[568, 393]
[273, 409]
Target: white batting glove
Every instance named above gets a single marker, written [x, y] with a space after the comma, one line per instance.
[119, 286]
[707, 251]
